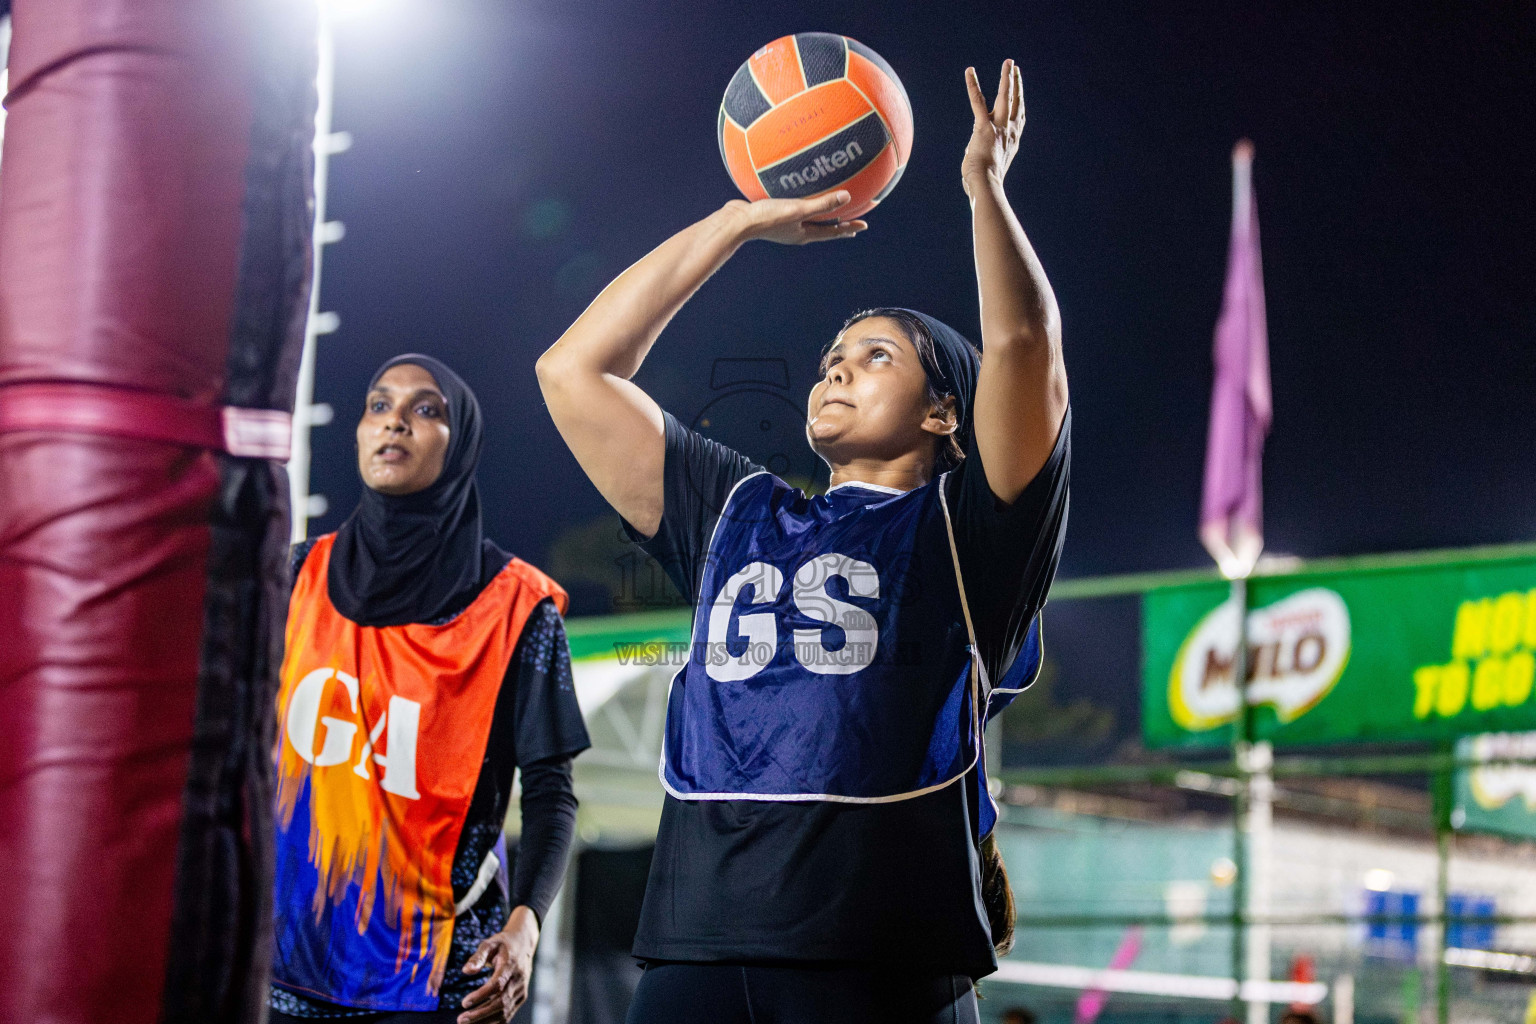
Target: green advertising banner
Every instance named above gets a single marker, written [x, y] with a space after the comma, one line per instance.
[1396, 653]
[1497, 797]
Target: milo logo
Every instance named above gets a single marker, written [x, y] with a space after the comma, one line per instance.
[1297, 650]
[1495, 785]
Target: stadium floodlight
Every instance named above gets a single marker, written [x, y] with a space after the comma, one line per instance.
[341, 10]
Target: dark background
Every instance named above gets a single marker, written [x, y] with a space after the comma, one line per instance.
[511, 158]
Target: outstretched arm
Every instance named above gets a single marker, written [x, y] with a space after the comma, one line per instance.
[1021, 394]
[612, 427]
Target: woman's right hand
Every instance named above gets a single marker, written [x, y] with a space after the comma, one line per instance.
[793, 221]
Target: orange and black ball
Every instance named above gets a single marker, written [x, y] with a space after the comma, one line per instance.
[814, 112]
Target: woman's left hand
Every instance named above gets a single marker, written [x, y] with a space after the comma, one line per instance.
[995, 135]
[509, 954]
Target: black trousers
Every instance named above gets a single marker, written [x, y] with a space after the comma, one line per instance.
[699, 993]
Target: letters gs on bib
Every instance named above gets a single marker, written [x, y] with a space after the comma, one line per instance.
[402, 719]
[744, 627]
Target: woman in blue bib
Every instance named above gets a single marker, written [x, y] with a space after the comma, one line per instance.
[822, 854]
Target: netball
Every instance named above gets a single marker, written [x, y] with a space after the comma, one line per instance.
[813, 112]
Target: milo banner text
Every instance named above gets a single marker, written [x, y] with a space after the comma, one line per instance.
[1382, 654]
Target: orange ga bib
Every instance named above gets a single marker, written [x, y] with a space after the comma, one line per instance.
[382, 732]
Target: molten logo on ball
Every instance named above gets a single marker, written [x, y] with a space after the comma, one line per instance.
[822, 165]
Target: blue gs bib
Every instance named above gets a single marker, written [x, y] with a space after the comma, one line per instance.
[832, 655]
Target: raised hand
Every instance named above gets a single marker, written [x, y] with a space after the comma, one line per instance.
[995, 135]
[795, 221]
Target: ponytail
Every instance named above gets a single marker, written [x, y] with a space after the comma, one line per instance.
[997, 896]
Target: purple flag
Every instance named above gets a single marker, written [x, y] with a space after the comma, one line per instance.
[1232, 509]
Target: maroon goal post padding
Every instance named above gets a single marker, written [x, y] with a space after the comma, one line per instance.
[154, 255]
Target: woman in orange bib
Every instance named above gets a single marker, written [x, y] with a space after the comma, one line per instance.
[424, 666]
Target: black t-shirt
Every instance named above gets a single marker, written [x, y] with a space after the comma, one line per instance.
[744, 880]
[536, 727]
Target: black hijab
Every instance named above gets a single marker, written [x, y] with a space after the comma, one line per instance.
[416, 557]
[955, 365]
[955, 372]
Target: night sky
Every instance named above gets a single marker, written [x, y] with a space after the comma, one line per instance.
[511, 158]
